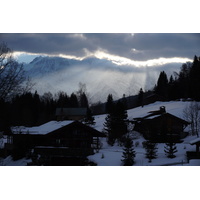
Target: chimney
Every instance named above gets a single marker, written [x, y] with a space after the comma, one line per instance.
[162, 109]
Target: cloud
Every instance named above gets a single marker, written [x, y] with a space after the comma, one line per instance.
[137, 47]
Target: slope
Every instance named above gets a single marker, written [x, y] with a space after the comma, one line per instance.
[112, 154]
[101, 76]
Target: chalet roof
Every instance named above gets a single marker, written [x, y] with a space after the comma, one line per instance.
[41, 130]
[54, 126]
[50, 147]
[160, 113]
[152, 117]
[94, 132]
[71, 111]
[197, 140]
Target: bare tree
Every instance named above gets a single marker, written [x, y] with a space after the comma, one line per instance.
[192, 114]
[11, 73]
[82, 94]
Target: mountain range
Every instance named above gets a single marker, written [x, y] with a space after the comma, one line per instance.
[101, 76]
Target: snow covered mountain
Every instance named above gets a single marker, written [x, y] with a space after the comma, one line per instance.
[101, 76]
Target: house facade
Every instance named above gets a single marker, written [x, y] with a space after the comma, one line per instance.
[160, 126]
[68, 144]
[71, 113]
[194, 154]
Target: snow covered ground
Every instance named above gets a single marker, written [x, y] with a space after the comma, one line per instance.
[112, 155]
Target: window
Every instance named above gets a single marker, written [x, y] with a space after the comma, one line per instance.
[58, 141]
[9, 139]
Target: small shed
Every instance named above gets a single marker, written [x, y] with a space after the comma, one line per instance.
[197, 143]
[194, 154]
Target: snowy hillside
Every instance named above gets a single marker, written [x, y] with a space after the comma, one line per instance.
[172, 107]
[112, 155]
[101, 76]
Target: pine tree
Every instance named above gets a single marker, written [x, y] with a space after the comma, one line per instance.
[183, 81]
[195, 77]
[141, 98]
[108, 129]
[162, 85]
[119, 121]
[74, 101]
[151, 150]
[124, 101]
[128, 152]
[109, 104]
[89, 120]
[83, 101]
[170, 149]
[115, 125]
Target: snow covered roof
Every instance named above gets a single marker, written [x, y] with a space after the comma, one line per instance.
[50, 147]
[152, 116]
[195, 141]
[159, 113]
[42, 129]
[173, 107]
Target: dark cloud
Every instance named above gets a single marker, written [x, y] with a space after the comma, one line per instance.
[138, 47]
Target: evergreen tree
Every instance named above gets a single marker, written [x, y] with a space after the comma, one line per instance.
[124, 101]
[115, 125]
[109, 130]
[89, 120]
[82, 95]
[128, 152]
[172, 89]
[5, 121]
[170, 149]
[195, 79]
[109, 104]
[73, 101]
[63, 100]
[162, 85]
[151, 150]
[141, 98]
[120, 121]
[83, 101]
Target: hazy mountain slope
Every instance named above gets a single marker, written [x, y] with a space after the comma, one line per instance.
[101, 76]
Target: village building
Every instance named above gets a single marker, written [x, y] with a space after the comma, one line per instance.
[70, 113]
[55, 143]
[194, 154]
[160, 126]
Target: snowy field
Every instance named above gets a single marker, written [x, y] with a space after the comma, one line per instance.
[112, 155]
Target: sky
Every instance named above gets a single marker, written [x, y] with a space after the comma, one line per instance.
[138, 49]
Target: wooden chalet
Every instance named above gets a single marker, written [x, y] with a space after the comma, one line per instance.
[68, 144]
[194, 154]
[160, 126]
[71, 113]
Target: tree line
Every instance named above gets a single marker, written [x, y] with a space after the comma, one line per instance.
[32, 109]
[185, 84]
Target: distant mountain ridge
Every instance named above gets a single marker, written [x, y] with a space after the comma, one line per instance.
[101, 76]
